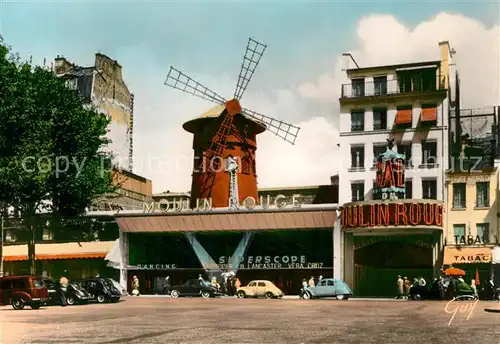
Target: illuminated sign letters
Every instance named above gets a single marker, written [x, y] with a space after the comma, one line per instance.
[392, 214]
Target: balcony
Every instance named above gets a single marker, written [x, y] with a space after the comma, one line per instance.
[359, 89]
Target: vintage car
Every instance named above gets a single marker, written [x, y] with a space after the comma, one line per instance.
[260, 288]
[21, 291]
[327, 287]
[75, 294]
[452, 288]
[193, 287]
[102, 289]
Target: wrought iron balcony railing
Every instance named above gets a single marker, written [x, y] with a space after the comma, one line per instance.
[392, 87]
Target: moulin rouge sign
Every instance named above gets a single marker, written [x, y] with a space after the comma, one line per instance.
[392, 214]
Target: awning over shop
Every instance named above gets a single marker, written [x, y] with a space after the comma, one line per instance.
[72, 250]
[235, 221]
[496, 255]
[467, 255]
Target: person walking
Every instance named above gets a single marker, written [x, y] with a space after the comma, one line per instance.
[407, 287]
[135, 286]
[237, 283]
[63, 289]
[400, 284]
[311, 282]
[474, 288]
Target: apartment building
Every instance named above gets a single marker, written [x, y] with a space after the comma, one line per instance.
[394, 143]
[471, 223]
[408, 103]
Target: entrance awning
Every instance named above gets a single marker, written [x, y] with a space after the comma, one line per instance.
[496, 255]
[467, 255]
[72, 250]
[231, 221]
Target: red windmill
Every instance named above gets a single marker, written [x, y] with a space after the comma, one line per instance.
[227, 133]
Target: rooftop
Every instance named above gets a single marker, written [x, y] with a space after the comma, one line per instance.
[396, 66]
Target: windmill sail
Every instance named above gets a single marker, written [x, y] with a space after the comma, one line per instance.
[286, 131]
[251, 60]
[180, 81]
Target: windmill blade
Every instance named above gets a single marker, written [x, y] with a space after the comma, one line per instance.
[180, 81]
[287, 132]
[251, 60]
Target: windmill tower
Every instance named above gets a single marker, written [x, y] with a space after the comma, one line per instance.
[227, 131]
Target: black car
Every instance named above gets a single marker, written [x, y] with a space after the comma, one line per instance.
[452, 288]
[101, 289]
[75, 294]
[194, 287]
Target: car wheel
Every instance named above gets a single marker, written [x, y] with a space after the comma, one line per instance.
[306, 296]
[17, 303]
[174, 294]
[205, 294]
[70, 300]
[101, 298]
[416, 297]
[241, 294]
[340, 297]
[269, 295]
[35, 305]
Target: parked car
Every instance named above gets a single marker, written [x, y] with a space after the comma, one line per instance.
[101, 289]
[260, 288]
[194, 287]
[21, 291]
[75, 294]
[327, 287]
[452, 288]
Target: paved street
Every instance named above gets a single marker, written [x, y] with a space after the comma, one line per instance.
[215, 321]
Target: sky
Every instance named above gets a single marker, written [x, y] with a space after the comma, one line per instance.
[298, 80]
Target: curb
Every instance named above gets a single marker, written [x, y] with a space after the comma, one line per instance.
[492, 310]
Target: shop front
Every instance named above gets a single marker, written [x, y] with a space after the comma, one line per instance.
[472, 260]
[281, 246]
[382, 240]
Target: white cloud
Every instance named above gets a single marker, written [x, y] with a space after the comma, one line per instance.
[161, 111]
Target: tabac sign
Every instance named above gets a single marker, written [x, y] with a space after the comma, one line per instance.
[392, 214]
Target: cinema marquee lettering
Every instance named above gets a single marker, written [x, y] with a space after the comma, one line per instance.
[205, 204]
[268, 262]
[155, 266]
[392, 214]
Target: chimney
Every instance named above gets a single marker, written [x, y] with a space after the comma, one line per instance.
[107, 65]
[61, 65]
[446, 61]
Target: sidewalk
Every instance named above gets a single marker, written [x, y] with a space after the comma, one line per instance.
[289, 297]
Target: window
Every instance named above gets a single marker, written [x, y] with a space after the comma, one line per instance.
[322, 283]
[357, 121]
[262, 284]
[330, 283]
[5, 284]
[357, 157]
[458, 231]
[10, 235]
[358, 87]
[47, 234]
[429, 153]
[482, 194]
[380, 85]
[375, 195]
[358, 191]
[379, 119]
[252, 284]
[483, 231]
[429, 189]
[377, 150]
[18, 284]
[71, 83]
[459, 195]
[405, 148]
[408, 189]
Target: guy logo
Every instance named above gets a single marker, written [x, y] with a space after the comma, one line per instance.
[466, 307]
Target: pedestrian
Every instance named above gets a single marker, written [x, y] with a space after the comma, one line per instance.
[135, 286]
[474, 288]
[407, 287]
[63, 288]
[166, 285]
[400, 284]
[237, 283]
[200, 277]
[422, 282]
[441, 287]
[304, 284]
[311, 282]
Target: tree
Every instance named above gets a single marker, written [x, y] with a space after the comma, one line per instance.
[51, 154]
